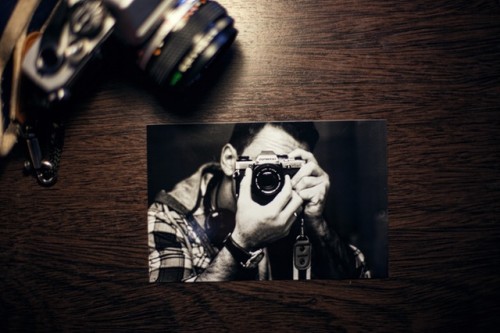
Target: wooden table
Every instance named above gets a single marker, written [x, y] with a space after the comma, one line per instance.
[74, 256]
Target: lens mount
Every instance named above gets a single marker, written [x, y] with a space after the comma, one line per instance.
[267, 180]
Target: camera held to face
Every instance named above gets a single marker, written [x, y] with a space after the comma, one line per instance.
[173, 41]
[269, 170]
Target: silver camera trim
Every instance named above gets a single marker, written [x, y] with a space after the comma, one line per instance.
[125, 11]
[79, 49]
[267, 157]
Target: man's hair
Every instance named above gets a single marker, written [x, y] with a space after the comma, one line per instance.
[244, 133]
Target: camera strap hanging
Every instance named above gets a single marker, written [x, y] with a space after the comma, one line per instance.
[302, 253]
[43, 129]
[11, 44]
[70, 36]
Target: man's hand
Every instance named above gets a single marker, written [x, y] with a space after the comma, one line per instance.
[256, 225]
[312, 184]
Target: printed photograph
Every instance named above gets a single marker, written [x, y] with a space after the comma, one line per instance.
[294, 200]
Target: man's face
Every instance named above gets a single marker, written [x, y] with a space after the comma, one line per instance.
[274, 139]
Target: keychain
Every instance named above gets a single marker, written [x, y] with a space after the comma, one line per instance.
[42, 128]
[44, 163]
[302, 251]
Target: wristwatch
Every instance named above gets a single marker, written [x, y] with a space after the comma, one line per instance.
[247, 259]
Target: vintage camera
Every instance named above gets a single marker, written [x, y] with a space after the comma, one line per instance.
[269, 172]
[173, 41]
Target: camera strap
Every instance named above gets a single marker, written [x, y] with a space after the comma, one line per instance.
[11, 45]
[302, 253]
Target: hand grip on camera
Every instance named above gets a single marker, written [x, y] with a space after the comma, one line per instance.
[257, 225]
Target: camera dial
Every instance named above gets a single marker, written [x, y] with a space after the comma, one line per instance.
[87, 18]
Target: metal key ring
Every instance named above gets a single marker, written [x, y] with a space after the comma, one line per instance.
[46, 174]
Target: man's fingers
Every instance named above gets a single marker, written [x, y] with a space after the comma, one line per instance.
[284, 196]
[293, 205]
[308, 169]
[312, 195]
[288, 200]
[304, 154]
[245, 185]
[308, 182]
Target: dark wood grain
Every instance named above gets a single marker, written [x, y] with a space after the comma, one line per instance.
[74, 257]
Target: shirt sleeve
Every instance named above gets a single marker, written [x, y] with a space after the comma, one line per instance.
[169, 251]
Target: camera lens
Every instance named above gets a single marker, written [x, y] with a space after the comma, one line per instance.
[49, 61]
[199, 37]
[268, 181]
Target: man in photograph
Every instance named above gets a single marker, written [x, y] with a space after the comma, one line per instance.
[218, 226]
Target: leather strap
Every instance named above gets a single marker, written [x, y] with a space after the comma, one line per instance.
[246, 259]
[13, 38]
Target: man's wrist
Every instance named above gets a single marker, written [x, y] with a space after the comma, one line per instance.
[243, 242]
[244, 257]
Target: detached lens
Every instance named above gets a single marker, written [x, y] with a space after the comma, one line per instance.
[187, 52]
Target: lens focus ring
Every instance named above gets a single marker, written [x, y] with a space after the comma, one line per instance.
[179, 43]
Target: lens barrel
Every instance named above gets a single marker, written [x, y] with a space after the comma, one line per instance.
[186, 52]
[267, 183]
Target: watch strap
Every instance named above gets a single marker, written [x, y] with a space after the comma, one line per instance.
[247, 259]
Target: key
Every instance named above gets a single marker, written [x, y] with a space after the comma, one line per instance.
[302, 258]
[302, 253]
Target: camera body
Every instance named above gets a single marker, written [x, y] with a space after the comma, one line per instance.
[173, 41]
[269, 171]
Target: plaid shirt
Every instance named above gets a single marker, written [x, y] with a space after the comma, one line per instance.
[175, 250]
[178, 247]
